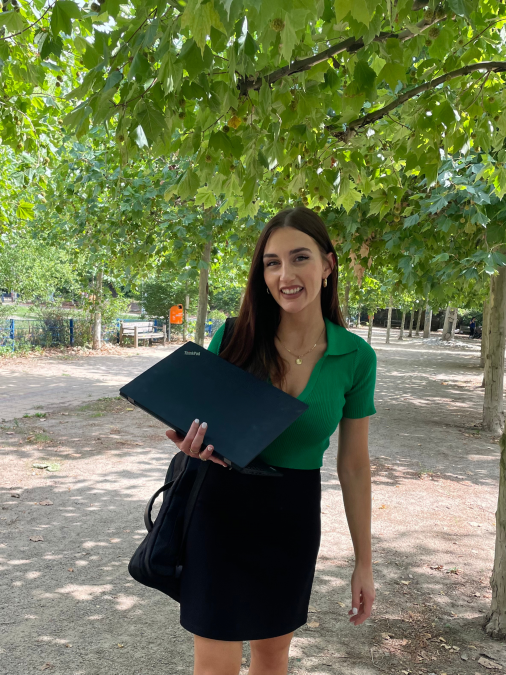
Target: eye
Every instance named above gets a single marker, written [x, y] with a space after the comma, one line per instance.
[269, 263]
[304, 257]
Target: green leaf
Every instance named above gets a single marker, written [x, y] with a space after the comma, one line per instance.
[152, 121]
[140, 67]
[199, 17]
[191, 58]
[24, 210]
[249, 189]
[63, 12]
[13, 21]
[189, 185]
[288, 39]
[461, 7]
[392, 73]
[364, 76]
[205, 197]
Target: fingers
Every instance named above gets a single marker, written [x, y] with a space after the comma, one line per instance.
[208, 454]
[192, 442]
[195, 437]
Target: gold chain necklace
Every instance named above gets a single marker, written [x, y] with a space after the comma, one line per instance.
[298, 360]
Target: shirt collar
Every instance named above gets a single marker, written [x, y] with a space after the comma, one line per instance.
[339, 340]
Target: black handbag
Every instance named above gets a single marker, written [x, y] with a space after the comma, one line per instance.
[159, 559]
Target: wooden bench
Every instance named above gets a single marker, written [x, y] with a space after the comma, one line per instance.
[142, 330]
[464, 330]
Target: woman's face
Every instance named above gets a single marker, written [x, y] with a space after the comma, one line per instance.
[294, 269]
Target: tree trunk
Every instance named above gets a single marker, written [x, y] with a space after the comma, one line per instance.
[453, 322]
[344, 308]
[493, 405]
[401, 332]
[243, 293]
[411, 320]
[445, 324]
[97, 315]
[428, 320]
[186, 312]
[358, 315]
[495, 619]
[389, 321]
[369, 332]
[418, 320]
[203, 295]
[484, 335]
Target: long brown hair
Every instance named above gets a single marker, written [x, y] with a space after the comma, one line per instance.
[252, 344]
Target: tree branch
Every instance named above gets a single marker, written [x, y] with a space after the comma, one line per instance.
[371, 118]
[8, 37]
[350, 45]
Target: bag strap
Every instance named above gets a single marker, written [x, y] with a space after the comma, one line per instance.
[190, 504]
[229, 331]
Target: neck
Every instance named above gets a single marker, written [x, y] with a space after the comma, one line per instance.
[298, 330]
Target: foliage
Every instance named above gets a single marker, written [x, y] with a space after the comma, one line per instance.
[227, 300]
[217, 315]
[35, 270]
[164, 291]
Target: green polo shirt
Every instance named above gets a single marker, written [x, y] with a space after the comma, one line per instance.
[341, 385]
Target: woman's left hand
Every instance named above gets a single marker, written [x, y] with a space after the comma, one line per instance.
[362, 593]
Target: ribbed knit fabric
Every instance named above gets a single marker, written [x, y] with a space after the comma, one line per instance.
[341, 385]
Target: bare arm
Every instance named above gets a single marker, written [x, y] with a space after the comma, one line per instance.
[354, 471]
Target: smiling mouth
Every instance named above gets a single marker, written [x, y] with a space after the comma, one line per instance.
[292, 291]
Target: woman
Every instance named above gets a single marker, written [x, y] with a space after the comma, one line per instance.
[253, 541]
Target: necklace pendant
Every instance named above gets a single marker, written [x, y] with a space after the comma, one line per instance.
[298, 361]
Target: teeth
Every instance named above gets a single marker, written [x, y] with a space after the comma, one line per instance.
[291, 292]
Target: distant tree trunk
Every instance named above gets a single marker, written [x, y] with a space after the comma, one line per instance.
[369, 332]
[186, 312]
[203, 294]
[418, 320]
[358, 315]
[401, 332]
[493, 405]
[97, 315]
[346, 303]
[389, 321]
[241, 300]
[428, 320]
[411, 320]
[495, 619]
[445, 324]
[453, 322]
[484, 335]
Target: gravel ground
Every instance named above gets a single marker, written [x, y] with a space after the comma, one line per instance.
[69, 607]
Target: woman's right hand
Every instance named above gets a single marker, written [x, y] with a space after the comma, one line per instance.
[191, 443]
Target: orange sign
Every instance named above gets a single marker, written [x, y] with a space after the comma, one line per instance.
[176, 314]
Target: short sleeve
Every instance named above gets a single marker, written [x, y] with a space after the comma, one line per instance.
[359, 400]
[214, 345]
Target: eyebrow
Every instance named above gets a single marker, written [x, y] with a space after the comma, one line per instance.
[295, 250]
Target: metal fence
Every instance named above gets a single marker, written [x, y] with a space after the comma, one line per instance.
[64, 332]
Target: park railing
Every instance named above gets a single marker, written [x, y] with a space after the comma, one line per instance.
[29, 333]
[63, 332]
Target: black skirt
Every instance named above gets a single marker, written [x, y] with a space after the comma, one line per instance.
[250, 554]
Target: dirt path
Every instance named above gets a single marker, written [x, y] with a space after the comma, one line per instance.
[69, 606]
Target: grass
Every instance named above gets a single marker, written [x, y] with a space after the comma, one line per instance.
[35, 415]
[41, 438]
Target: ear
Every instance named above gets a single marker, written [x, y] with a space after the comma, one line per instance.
[330, 262]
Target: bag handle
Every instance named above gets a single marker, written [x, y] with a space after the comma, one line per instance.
[149, 506]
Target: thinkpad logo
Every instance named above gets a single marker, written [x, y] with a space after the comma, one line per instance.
[192, 353]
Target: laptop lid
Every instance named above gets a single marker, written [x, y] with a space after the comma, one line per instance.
[244, 414]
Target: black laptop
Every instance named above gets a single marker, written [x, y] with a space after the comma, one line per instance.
[244, 414]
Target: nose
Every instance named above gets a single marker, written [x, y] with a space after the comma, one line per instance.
[285, 271]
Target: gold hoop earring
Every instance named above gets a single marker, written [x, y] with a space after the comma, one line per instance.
[325, 283]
